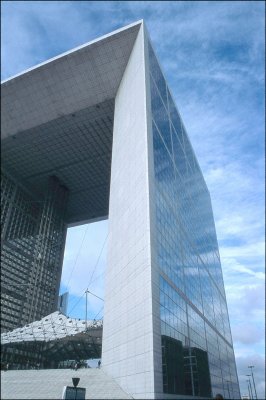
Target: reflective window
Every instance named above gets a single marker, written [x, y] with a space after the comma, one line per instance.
[160, 116]
[33, 234]
[197, 352]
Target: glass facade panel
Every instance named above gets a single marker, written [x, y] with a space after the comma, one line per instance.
[197, 351]
[160, 116]
[32, 245]
[157, 75]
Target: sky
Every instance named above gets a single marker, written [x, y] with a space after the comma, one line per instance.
[212, 55]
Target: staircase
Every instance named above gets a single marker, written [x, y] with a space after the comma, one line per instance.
[49, 383]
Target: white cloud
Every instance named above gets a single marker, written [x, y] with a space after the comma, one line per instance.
[251, 250]
[248, 334]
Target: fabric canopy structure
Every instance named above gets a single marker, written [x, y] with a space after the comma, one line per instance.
[52, 327]
[53, 339]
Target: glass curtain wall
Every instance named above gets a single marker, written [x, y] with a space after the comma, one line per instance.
[19, 215]
[197, 351]
[32, 244]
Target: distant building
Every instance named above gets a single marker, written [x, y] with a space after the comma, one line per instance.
[32, 242]
[63, 302]
[94, 134]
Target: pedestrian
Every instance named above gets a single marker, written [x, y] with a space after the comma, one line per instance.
[99, 364]
[219, 397]
[76, 366]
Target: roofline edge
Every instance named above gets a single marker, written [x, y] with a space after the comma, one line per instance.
[139, 22]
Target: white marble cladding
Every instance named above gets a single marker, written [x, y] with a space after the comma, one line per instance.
[127, 353]
[155, 274]
[66, 84]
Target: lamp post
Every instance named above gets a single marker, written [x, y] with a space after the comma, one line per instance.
[248, 389]
[75, 384]
[252, 366]
[251, 391]
[87, 291]
[86, 314]
[228, 389]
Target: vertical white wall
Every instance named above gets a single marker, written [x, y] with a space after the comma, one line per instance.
[155, 272]
[127, 353]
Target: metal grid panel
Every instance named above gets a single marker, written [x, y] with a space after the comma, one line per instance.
[75, 81]
[77, 149]
[57, 119]
[53, 326]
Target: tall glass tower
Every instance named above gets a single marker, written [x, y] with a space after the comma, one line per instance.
[32, 247]
[101, 137]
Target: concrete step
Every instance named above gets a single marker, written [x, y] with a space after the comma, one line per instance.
[49, 383]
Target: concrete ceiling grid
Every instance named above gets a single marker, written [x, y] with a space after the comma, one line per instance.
[57, 119]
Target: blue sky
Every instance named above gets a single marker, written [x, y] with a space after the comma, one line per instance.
[212, 54]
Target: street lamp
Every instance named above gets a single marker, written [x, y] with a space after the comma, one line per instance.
[75, 384]
[228, 389]
[252, 366]
[86, 312]
[250, 387]
[86, 315]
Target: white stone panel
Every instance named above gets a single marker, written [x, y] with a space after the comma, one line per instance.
[128, 322]
[67, 83]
